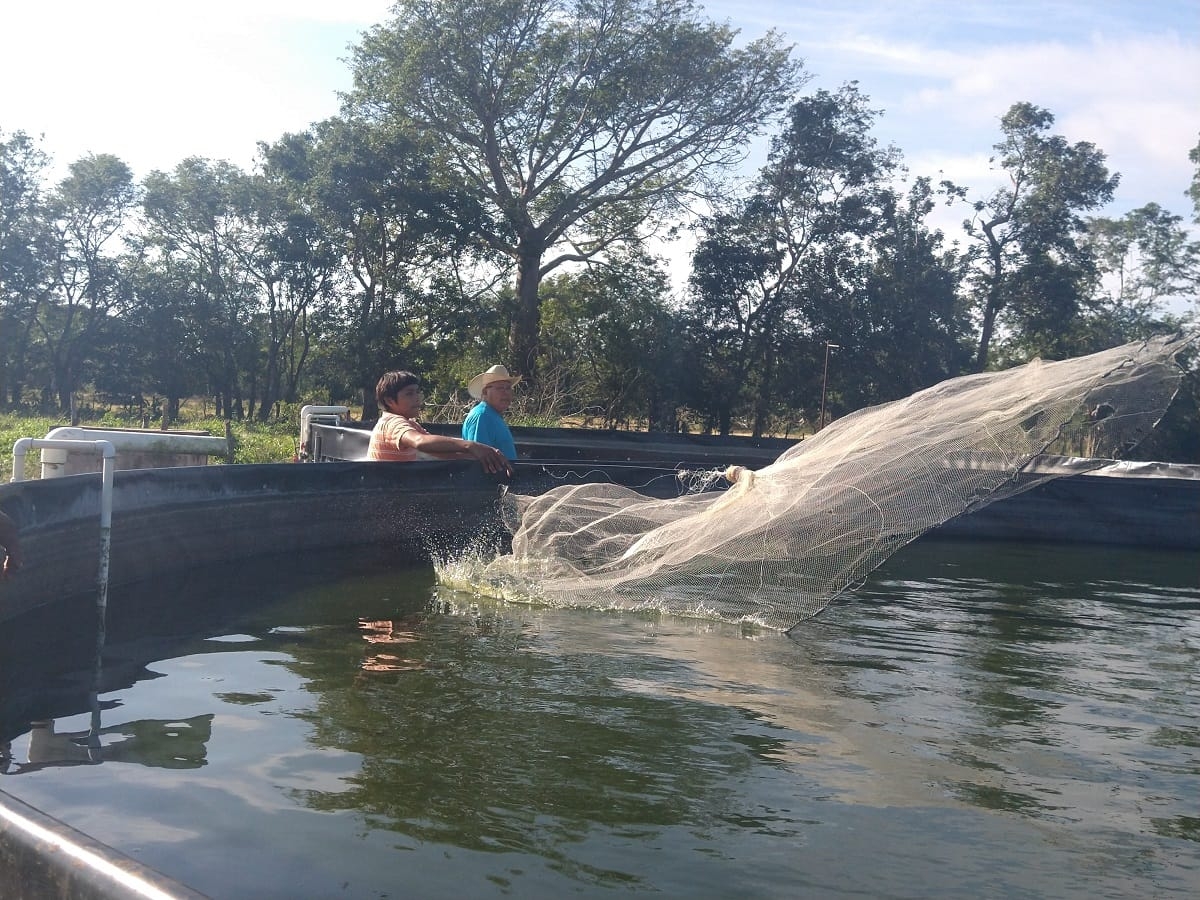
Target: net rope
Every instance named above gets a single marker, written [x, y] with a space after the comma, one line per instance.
[783, 541]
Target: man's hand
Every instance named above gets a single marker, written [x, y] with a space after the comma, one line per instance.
[492, 460]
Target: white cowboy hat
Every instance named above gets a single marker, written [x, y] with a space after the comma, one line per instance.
[496, 373]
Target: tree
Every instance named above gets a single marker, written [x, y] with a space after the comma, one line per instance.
[195, 223]
[576, 124]
[25, 244]
[905, 326]
[162, 330]
[294, 261]
[611, 341]
[1142, 259]
[1026, 251]
[1193, 191]
[764, 270]
[397, 236]
[87, 211]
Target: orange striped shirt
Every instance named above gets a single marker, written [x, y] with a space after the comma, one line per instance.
[386, 444]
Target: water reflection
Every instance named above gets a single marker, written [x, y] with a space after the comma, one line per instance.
[494, 744]
[387, 640]
[176, 744]
[1051, 693]
[965, 719]
[157, 743]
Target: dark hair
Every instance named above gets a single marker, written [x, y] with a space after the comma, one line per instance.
[392, 383]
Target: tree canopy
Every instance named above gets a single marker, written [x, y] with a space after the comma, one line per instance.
[576, 124]
[551, 139]
[1028, 258]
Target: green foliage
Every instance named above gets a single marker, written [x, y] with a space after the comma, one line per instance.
[1028, 260]
[26, 246]
[14, 427]
[609, 344]
[1193, 191]
[199, 229]
[823, 250]
[1177, 437]
[259, 442]
[1143, 259]
[388, 238]
[401, 236]
[575, 125]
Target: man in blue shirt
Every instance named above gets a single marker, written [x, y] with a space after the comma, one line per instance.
[485, 424]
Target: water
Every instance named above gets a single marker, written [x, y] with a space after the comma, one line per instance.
[978, 720]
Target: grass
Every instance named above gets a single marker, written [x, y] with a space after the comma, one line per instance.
[253, 442]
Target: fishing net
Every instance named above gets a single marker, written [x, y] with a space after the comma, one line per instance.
[783, 541]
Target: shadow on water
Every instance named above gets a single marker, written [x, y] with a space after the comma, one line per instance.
[48, 655]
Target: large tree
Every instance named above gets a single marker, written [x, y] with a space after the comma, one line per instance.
[196, 228]
[369, 193]
[771, 273]
[1026, 247]
[1144, 259]
[575, 123]
[87, 211]
[294, 261]
[158, 346]
[25, 251]
[905, 326]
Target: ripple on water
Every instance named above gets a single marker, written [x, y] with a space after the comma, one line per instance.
[955, 727]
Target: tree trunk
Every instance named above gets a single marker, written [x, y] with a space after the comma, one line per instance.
[985, 337]
[994, 301]
[270, 391]
[766, 383]
[370, 406]
[523, 335]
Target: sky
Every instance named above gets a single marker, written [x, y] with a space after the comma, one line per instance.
[156, 81]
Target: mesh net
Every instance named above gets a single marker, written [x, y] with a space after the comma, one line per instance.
[783, 541]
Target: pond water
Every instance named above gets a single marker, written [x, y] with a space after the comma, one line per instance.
[977, 720]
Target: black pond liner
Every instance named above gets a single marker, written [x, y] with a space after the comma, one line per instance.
[168, 522]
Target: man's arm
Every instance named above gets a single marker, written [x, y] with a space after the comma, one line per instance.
[490, 458]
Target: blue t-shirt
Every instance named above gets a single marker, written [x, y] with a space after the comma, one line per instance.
[486, 426]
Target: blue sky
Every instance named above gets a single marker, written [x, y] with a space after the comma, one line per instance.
[154, 81]
[1123, 75]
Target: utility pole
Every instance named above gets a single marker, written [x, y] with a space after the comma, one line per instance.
[825, 381]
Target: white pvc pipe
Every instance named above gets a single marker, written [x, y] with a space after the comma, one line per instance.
[312, 410]
[108, 454]
[307, 412]
[165, 442]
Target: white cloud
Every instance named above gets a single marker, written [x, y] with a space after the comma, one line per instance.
[1135, 98]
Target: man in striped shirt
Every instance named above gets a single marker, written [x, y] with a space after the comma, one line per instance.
[399, 437]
